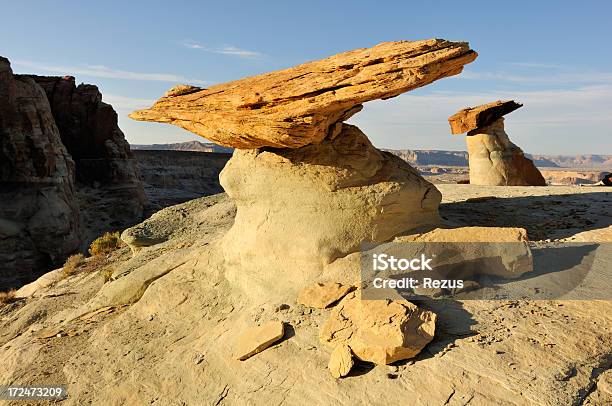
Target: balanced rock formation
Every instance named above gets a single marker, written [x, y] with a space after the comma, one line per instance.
[303, 105]
[494, 160]
[39, 215]
[379, 331]
[308, 187]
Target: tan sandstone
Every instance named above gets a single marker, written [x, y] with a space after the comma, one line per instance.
[341, 361]
[493, 159]
[322, 295]
[257, 339]
[460, 251]
[470, 234]
[300, 209]
[302, 105]
[379, 331]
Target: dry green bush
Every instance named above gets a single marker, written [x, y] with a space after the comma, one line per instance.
[105, 244]
[7, 297]
[107, 274]
[73, 264]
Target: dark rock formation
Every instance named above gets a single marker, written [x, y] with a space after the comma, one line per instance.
[88, 128]
[39, 215]
[66, 173]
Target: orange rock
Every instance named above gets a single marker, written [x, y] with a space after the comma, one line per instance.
[257, 339]
[304, 104]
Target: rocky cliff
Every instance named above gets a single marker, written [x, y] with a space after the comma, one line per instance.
[66, 169]
[39, 216]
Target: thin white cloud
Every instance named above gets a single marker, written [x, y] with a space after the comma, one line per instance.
[536, 65]
[223, 50]
[101, 71]
[126, 103]
[567, 77]
[551, 121]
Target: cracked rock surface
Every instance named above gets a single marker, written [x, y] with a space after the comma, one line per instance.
[301, 105]
[175, 342]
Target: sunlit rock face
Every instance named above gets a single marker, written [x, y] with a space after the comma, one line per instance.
[494, 160]
[308, 187]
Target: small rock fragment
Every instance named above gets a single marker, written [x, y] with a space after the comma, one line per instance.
[257, 339]
[322, 295]
[340, 361]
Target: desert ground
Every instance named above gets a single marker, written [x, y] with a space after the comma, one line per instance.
[161, 331]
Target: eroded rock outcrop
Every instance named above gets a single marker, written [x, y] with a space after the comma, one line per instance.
[494, 160]
[39, 216]
[308, 187]
[89, 130]
[300, 209]
[66, 173]
[305, 104]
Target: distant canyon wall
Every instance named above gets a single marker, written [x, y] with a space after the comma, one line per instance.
[58, 143]
[460, 158]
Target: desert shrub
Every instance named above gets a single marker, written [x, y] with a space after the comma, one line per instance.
[7, 297]
[107, 274]
[73, 264]
[105, 244]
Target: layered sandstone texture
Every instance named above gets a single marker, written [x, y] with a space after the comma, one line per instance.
[304, 104]
[493, 159]
[66, 173]
[300, 209]
[167, 317]
[89, 130]
[39, 215]
[308, 187]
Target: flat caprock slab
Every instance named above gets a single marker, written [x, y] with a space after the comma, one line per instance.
[304, 104]
[471, 118]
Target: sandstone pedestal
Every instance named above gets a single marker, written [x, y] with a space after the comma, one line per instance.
[494, 160]
[308, 187]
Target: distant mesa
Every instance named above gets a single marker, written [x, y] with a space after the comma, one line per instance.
[308, 187]
[195, 146]
[493, 159]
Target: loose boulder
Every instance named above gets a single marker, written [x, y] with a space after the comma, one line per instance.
[493, 159]
[379, 331]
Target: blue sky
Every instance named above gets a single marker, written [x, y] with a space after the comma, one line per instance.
[554, 56]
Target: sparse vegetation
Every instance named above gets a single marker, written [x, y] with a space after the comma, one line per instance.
[105, 244]
[107, 274]
[73, 264]
[7, 297]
